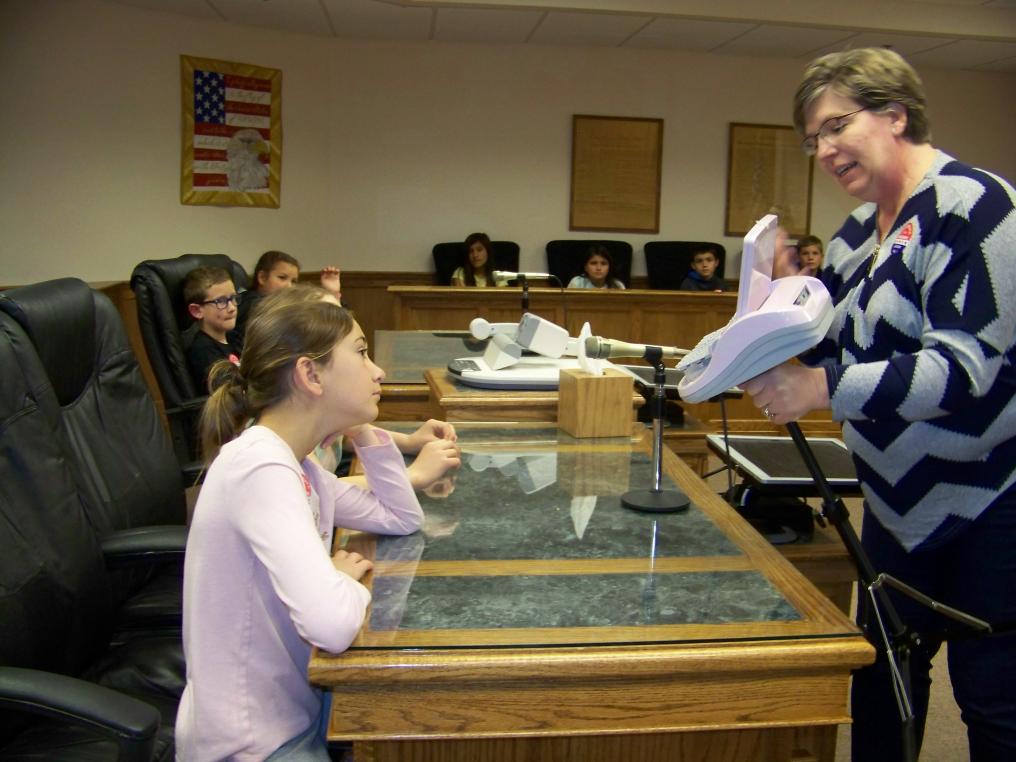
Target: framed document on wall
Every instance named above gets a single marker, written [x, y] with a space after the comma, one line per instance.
[767, 173]
[615, 182]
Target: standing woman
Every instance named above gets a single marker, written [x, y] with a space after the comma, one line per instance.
[261, 585]
[478, 267]
[918, 364]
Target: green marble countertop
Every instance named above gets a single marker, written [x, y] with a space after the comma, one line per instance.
[538, 500]
[405, 355]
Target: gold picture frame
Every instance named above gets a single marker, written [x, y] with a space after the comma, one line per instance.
[767, 173]
[232, 133]
[615, 179]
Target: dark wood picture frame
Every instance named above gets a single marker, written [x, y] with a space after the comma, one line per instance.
[767, 172]
[616, 171]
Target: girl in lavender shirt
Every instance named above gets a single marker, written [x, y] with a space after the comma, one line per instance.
[261, 585]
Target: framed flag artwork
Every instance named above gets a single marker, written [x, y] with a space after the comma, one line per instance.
[232, 134]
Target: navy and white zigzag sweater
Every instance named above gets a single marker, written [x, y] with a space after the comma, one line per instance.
[920, 356]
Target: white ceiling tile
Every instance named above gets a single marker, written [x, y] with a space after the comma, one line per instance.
[787, 41]
[904, 44]
[964, 54]
[587, 29]
[401, 20]
[1005, 64]
[686, 34]
[367, 19]
[481, 25]
[303, 16]
[199, 8]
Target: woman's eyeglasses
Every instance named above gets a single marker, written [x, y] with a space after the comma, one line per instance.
[829, 130]
[224, 301]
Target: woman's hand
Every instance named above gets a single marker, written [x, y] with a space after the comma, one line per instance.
[430, 431]
[352, 564]
[788, 392]
[435, 459]
[785, 262]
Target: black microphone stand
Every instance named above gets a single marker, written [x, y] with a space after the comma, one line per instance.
[524, 282]
[657, 499]
[898, 639]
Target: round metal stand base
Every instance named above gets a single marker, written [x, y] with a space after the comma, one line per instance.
[655, 501]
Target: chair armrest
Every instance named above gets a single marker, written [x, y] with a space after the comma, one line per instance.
[152, 544]
[126, 720]
[193, 473]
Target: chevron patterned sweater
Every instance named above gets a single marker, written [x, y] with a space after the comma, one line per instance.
[920, 356]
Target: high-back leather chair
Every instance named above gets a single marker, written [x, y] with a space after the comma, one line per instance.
[449, 256]
[70, 689]
[115, 442]
[167, 329]
[566, 258]
[668, 262]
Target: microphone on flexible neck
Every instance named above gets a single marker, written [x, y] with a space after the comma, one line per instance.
[481, 328]
[598, 347]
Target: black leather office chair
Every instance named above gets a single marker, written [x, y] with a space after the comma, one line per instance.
[115, 442]
[167, 329]
[448, 256]
[668, 262]
[566, 258]
[68, 690]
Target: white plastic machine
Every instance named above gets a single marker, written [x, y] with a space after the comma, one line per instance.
[529, 354]
[775, 320]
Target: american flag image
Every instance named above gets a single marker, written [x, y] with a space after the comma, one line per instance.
[232, 130]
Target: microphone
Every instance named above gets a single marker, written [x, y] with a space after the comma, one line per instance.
[484, 329]
[599, 348]
[509, 275]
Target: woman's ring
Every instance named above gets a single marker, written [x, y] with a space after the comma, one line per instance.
[766, 413]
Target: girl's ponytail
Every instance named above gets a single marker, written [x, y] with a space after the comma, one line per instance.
[226, 411]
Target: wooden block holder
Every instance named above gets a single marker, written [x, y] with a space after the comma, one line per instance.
[595, 406]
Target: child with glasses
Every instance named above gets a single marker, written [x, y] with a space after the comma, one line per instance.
[211, 300]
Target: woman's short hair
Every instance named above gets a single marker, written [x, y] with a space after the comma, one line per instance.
[875, 78]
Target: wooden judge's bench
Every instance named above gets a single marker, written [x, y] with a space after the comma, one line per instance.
[666, 318]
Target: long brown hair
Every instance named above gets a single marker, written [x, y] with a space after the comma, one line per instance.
[283, 330]
[468, 276]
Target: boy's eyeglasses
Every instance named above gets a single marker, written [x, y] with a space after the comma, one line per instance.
[223, 301]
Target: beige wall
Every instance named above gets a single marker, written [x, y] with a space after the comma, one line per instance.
[388, 146]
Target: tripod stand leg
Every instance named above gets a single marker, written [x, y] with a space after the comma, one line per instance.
[897, 639]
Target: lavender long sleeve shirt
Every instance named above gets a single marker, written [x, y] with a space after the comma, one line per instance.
[260, 589]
